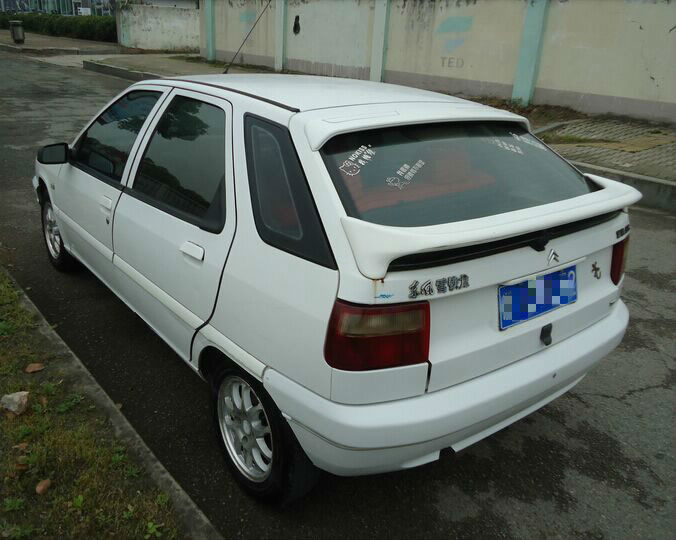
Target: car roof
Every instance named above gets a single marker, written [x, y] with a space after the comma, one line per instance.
[307, 92]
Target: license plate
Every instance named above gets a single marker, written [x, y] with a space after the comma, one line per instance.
[533, 297]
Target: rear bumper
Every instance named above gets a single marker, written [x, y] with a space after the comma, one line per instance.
[364, 439]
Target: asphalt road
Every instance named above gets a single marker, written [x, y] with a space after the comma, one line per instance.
[597, 463]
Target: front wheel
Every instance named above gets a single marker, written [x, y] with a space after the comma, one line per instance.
[57, 253]
[260, 447]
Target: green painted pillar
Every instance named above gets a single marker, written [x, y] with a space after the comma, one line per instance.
[529, 52]
[210, 28]
[280, 34]
[379, 40]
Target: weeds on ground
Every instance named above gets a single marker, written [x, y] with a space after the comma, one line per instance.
[554, 138]
[96, 489]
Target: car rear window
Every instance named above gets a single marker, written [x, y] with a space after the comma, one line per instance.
[429, 174]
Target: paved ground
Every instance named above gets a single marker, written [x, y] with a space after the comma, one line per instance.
[625, 145]
[170, 65]
[163, 65]
[39, 41]
[597, 463]
[137, 62]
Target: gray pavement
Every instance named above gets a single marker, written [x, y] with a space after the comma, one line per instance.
[129, 60]
[597, 463]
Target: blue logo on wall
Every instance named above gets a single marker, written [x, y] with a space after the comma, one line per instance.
[454, 25]
[248, 16]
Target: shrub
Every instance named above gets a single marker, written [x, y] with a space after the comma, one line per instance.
[96, 27]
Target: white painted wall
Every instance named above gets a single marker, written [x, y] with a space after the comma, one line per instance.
[158, 27]
[466, 47]
[616, 56]
[625, 51]
[233, 20]
[334, 37]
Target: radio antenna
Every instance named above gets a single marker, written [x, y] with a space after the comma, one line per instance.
[247, 36]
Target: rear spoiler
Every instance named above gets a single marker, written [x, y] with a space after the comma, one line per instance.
[375, 246]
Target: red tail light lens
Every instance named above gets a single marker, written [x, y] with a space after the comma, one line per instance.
[362, 338]
[618, 260]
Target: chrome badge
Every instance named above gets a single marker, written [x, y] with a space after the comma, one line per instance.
[443, 285]
[552, 257]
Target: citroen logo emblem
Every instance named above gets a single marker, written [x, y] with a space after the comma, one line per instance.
[552, 257]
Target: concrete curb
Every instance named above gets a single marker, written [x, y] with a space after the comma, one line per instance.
[55, 51]
[116, 71]
[657, 192]
[197, 525]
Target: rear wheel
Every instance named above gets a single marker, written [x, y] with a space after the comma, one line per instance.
[261, 450]
[57, 253]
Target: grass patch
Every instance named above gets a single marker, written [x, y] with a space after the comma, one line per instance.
[538, 115]
[97, 489]
[220, 64]
[198, 60]
[553, 138]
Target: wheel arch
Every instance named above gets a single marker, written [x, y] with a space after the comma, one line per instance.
[42, 191]
[212, 360]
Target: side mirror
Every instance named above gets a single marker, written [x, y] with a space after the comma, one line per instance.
[53, 154]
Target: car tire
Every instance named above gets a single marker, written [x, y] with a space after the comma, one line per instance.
[274, 469]
[58, 256]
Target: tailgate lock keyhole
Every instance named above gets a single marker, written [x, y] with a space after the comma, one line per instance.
[546, 335]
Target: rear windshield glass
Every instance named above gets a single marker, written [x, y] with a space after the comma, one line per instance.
[429, 174]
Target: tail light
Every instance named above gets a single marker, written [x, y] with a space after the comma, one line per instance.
[619, 258]
[362, 338]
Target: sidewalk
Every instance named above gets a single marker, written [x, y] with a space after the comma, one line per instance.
[51, 45]
[639, 153]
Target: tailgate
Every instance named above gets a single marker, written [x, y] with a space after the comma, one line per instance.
[465, 336]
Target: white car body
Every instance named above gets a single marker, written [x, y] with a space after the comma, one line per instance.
[268, 310]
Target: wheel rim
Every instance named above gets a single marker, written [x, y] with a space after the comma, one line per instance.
[52, 234]
[245, 428]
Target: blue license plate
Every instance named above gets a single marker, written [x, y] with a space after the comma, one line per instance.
[533, 297]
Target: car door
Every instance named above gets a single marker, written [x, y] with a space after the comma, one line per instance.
[175, 221]
[89, 185]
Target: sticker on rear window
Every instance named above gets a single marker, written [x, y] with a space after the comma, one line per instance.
[405, 174]
[358, 159]
[528, 140]
[506, 146]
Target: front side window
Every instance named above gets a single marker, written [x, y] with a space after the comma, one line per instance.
[430, 174]
[183, 168]
[104, 148]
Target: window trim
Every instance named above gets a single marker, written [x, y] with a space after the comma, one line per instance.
[147, 140]
[118, 184]
[259, 223]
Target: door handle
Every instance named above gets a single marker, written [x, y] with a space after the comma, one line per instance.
[106, 202]
[193, 250]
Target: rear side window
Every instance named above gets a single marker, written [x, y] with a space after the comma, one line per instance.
[283, 207]
[183, 168]
[430, 174]
[105, 146]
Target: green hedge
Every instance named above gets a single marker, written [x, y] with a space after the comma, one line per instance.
[99, 28]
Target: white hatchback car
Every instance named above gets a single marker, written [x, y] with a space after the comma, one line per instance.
[365, 273]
